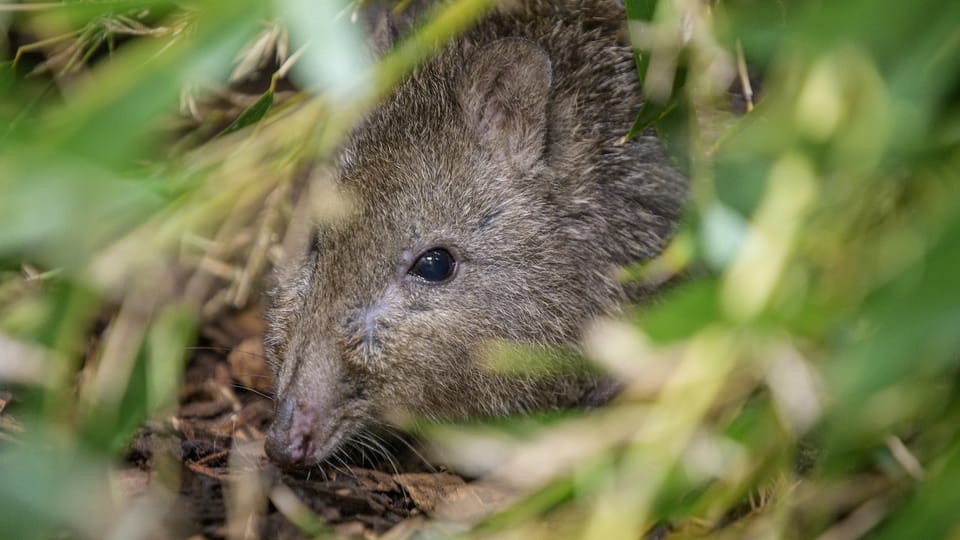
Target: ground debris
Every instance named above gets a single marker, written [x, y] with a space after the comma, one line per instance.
[217, 437]
[448, 496]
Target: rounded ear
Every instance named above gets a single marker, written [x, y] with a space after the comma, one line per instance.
[504, 96]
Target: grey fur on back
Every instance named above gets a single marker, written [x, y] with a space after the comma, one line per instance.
[501, 149]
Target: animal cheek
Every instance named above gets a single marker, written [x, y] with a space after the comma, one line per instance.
[366, 331]
[274, 349]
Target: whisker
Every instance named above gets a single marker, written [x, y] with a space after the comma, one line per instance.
[251, 375]
[389, 430]
[224, 350]
[254, 390]
[323, 473]
[330, 463]
[389, 457]
[207, 348]
[350, 470]
[375, 446]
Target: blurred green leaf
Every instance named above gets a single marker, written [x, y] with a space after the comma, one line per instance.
[324, 27]
[724, 232]
[681, 312]
[252, 114]
[671, 115]
[111, 119]
[52, 486]
[932, 510]
[167, 348]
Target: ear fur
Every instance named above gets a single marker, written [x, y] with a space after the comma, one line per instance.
[505, 95]
[387, 21]
[381, 28]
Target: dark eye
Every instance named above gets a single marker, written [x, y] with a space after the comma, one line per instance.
[434, 265]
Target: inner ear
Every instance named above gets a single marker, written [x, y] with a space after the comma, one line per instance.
[505, 95]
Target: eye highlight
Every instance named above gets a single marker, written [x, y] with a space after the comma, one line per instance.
[434, 265]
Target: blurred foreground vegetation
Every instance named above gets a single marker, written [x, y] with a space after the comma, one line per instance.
[799, 382]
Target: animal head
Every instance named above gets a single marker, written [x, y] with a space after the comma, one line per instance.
[476, 216]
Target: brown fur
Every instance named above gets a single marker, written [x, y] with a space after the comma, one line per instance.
[502, 150]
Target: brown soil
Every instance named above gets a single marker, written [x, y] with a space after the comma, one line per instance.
[216, 439]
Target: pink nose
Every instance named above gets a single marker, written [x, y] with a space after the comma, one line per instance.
[290, 442]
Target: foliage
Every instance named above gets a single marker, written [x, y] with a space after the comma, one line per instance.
[799, 380]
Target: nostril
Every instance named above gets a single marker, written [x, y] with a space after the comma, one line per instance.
[301, 449]
[286, 446]
[281, 448]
